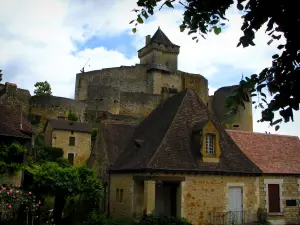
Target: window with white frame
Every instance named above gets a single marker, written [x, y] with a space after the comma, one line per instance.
[210, 144]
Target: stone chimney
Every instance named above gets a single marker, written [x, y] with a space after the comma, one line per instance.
[148, 38]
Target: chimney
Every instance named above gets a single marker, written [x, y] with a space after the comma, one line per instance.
[148, 38]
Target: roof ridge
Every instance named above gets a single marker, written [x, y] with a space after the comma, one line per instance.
[166, 133]
[255, 132]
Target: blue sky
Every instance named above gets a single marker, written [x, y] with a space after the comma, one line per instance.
[52, 40]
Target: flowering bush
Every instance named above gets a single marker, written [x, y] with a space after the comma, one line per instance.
[12, 199]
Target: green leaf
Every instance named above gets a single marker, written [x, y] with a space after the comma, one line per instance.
[140, 20]
[276, 121]
[131, 21]
[145, 14]
[240, 6]
[134, 30]
[169, 4]
[182, 28]
[277, 128]
[269, 42]
[263, 94]
[194, 38]
[280, 47]
[217, 30]
[275, 56]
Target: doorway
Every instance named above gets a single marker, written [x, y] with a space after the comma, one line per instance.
[167, 199]
[235, 205]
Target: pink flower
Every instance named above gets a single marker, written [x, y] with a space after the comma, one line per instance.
[30, 192]
[9, 206]
[3, 188]
[11, 190]
[7, 193]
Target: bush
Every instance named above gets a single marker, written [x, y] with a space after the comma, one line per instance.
[72, 116]
[95, 218]
[63, 162]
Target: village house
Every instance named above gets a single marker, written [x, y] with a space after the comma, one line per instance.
[14, 128]
[73, 137]
[182, 162]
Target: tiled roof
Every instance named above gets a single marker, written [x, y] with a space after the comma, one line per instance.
[270, 152]
[13, 122]
[60, 124]
[160, 38]
[163, 140]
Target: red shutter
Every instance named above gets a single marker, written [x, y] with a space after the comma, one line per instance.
[274, 198]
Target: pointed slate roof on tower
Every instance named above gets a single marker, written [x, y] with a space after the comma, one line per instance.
[160, 38]
[163, 141]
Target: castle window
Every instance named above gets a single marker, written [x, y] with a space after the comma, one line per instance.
[210, 144]
[72, 141]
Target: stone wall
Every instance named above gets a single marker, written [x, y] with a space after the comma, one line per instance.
[11, 179]
[242, 121]
[53, 106]
[136, 104]
[124, 78]
[200, 195]
[82, 148]
[289, 188]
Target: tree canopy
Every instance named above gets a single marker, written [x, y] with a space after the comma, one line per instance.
[281, 80]
[42, 89]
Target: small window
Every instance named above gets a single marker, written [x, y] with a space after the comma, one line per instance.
[210, 144]
[119, 195]
[274, 198]
[72, 132]
[72, 141]
[71, 157]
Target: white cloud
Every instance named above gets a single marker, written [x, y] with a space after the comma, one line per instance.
[37, 43]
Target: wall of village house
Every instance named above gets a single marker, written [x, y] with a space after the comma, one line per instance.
[82, 148]
[11, 179]
[202, 194]
[290, 190]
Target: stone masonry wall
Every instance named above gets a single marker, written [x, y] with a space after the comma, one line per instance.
[136, 104]
[290, 190]
[201, 195]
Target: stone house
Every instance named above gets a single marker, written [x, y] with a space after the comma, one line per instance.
[182, 162]
[278, 156]
[14, 127]
[73, 137]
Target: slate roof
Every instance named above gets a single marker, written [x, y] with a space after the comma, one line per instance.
[60, 124]
[11, 118]
[272, 153]
[160, 38]
[163, 141]
[116, 136]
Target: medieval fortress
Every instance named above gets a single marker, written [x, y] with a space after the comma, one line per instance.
[130, 93]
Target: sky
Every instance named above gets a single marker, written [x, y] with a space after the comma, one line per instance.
[51, 40]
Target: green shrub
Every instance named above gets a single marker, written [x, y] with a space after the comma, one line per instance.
[53, 153]
[162, 220]
[95, 218]
[63, 162]
[34, 119]
[72, 116]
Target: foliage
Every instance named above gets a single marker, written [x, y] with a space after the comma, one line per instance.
[42, 89]
[72, 116]
[11, 158]
[262, 216]
[46, 154]
[94, 133]
[34, 119]
[95, 218]
[281, 80]
[66, 182]
[14, 199]
[63, 162]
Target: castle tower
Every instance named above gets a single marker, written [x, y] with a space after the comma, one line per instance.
[159, 51]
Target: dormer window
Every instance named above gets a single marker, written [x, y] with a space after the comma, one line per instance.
[210, 144]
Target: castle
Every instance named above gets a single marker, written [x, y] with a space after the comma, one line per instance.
[130, 93]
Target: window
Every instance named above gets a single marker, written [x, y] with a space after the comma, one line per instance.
[72, 132]
[71, 141]
[119, 195]
[274, 198]
[71, 157]
[210, 145]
